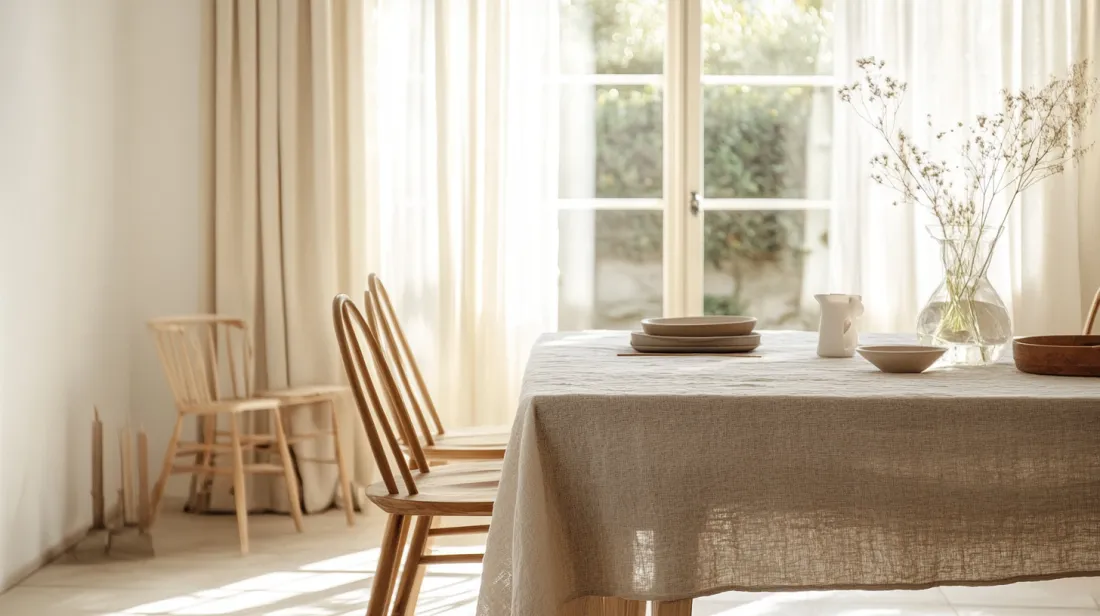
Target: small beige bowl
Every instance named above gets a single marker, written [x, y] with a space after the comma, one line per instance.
[901, 358]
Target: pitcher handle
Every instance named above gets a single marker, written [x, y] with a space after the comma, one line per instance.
[856, 303]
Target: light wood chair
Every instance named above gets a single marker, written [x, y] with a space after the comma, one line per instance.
[417, 495]
[439, 444]
[414, 495]
[191, 351]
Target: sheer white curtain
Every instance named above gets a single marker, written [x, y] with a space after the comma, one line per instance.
[463, 107]
[957, 55]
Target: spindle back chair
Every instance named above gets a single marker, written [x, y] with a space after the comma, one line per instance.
[208, 361]
[414, 495]
[439, 444]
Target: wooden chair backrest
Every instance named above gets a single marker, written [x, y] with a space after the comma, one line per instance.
[397, 345]
[1091, 318]
[206, 358]
[384, 423]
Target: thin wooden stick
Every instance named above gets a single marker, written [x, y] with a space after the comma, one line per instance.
[143, 479]
[685, 355]
[126, 453]
[99, 509]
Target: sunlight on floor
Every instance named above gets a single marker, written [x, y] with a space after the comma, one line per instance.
[447, 589]
[329, 569]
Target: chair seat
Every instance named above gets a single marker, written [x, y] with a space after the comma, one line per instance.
[469, 444]
[494, 435]
[305, 394]
[232, 406]
[467, 489]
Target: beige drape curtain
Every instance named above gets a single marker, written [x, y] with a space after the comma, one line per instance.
[288, 153]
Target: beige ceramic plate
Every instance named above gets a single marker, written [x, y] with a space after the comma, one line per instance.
[672, 342]
[699, 326]
[700, 349]
[901, 358]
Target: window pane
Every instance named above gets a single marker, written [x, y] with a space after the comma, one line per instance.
[610, 263]
[767, 264]
[767, 37]
[767, 142]
[611, 141]
[613, 36]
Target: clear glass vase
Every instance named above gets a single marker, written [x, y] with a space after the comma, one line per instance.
[965, 313]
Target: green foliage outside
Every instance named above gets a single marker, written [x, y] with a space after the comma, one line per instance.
[755, 138]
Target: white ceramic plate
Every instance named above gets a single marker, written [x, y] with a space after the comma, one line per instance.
[699, 326]
[748, 340]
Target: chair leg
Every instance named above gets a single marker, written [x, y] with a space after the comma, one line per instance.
[166, 469]
[288, 472]
[393, 541]
[341, 467]
[239, 494]
[402, 557]
[419, 572]
[201, 496]
[409, 576]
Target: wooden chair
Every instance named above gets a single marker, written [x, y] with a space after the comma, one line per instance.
[413, 498]
[191, 350]
[439, 444]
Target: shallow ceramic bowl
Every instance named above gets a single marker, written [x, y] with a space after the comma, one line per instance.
[711, 326]
[901, 358]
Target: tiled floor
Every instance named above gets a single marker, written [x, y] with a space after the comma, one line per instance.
[327, 572]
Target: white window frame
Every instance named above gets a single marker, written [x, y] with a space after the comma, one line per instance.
[682, 86]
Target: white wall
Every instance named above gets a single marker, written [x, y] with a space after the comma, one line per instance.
[103, 225]
[163, 191]
[63, 290]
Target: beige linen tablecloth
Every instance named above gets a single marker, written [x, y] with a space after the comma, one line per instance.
[668, 478]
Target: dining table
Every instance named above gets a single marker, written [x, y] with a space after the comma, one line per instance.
[668, 478]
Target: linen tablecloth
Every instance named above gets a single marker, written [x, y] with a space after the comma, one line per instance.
[676, 477]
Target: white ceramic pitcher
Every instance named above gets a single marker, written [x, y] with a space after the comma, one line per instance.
[838, 332]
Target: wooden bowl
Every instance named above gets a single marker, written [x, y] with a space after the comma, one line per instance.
[1058, 355]
[901, 358]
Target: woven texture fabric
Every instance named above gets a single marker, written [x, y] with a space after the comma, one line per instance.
[676, 477]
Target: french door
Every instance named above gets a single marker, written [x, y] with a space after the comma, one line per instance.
[696, 159]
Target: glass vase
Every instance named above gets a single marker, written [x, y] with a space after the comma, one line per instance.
[965, 313]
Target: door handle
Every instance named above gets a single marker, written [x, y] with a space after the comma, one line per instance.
[694, 203]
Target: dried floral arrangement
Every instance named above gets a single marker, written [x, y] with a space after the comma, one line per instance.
[1035, 134]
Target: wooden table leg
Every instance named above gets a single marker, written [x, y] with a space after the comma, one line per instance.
[623, 607]
[604, 606]
[672, 608]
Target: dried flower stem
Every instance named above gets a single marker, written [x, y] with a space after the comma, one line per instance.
[1034, 135]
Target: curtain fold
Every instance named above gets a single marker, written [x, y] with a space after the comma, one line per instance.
[957, 56]
[467, 132]
[289, 205]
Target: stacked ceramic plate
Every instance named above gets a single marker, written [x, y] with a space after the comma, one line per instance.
[716, 334]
